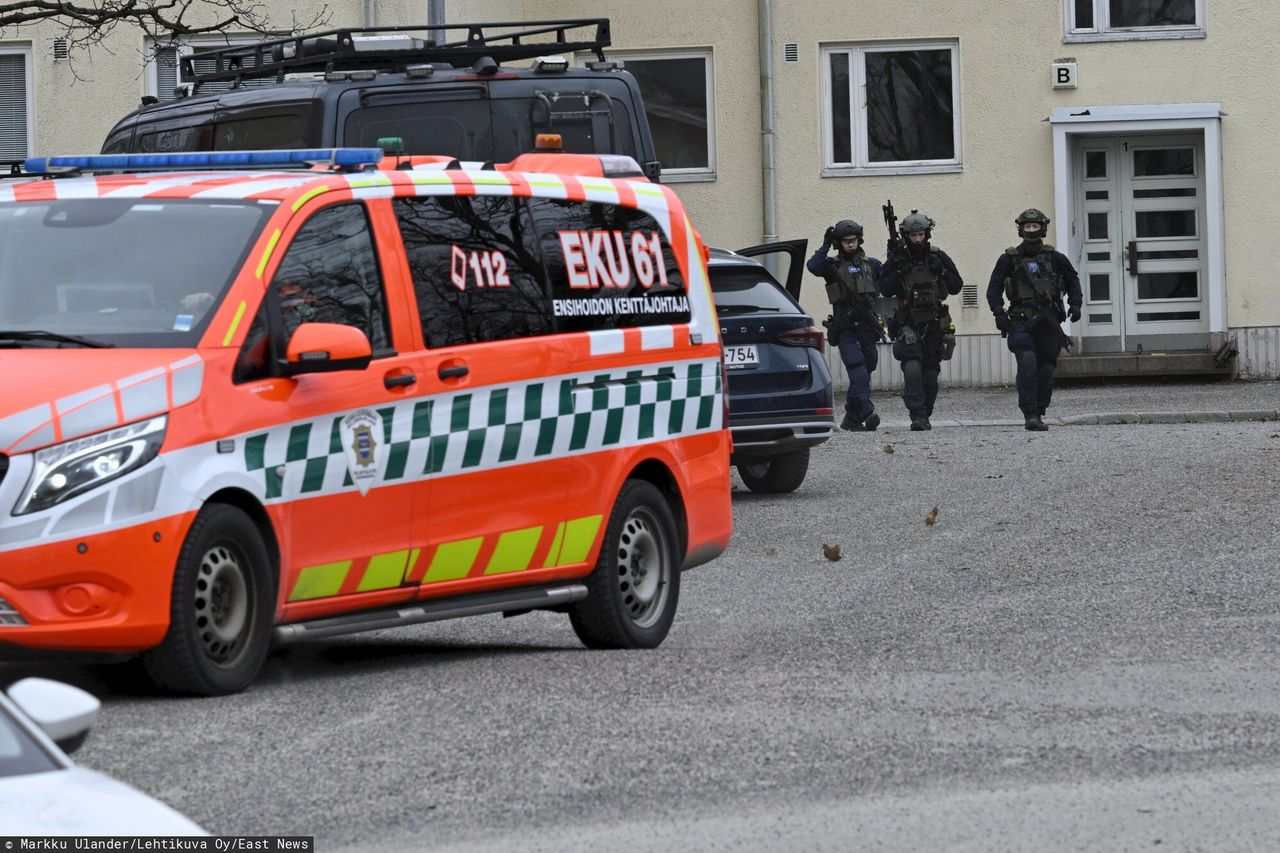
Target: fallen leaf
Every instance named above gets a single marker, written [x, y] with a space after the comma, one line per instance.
[831, 552]
[769, 552]
[888, 448]
[932, 518]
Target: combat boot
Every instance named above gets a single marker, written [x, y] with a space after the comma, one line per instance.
[851, 423]
[1034, 424]
[920, 424]
[872, 421]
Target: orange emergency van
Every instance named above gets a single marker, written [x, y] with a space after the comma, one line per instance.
[244, 405]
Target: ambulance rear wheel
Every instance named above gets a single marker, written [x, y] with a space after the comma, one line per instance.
[632, 593]
[221, 608]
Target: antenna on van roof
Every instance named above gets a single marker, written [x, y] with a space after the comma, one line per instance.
[396, 48]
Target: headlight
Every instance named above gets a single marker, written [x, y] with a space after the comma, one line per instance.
[74, 467]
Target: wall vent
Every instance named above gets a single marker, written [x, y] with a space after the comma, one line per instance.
[61, 50]
[791, 53]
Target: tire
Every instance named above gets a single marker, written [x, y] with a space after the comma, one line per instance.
[776, 475]
[222, 608]
[634, 589]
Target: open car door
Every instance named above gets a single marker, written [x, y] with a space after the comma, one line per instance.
[784, 259]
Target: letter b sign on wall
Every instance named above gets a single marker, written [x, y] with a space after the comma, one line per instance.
[1064, 75]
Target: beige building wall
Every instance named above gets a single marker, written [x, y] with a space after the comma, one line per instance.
[1005, 95]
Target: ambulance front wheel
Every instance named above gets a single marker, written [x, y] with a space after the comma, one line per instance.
[632, 593]
[221, 608]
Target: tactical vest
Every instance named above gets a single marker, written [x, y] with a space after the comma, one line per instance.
[920, 289]
[854, 277]
[1035, 282]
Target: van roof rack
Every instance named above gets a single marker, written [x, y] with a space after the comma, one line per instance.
[394, 48]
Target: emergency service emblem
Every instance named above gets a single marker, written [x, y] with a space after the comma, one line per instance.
[360, 439]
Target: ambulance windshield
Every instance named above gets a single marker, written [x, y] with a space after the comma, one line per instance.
[130, 272]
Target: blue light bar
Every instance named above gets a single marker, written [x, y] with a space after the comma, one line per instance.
[206, 160]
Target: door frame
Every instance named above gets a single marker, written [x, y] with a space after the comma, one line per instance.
[1071, 122]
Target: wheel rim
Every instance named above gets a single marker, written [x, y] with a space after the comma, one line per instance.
[644, 567]
[757, 470]
[223, 603]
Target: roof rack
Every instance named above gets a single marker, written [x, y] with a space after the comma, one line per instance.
[344, 50]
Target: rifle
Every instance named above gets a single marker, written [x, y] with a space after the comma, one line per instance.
[862, 307]
[891, 221]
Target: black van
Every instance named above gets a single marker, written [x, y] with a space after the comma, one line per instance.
[354, 87]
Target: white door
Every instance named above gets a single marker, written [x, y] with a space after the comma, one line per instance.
[1141, 231]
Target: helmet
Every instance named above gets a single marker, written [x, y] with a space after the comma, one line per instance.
[1031, 215]
[916, 221]
[846, 228]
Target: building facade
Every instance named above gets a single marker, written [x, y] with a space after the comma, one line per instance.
[1142, 127]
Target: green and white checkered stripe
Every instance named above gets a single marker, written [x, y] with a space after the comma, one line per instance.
[491, 427]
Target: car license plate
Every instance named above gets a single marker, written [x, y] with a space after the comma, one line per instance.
[736, 358]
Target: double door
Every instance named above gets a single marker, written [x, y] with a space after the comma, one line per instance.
[1141, 246]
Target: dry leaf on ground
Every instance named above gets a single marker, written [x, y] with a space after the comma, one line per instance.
[831, 552]
[932, 518]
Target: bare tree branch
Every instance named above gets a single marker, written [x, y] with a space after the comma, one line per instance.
[88, 23]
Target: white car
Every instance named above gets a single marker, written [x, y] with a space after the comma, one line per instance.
[42, 792]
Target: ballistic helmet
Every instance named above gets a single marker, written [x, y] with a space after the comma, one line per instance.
[1031, 215]
[847, 228]
[916, 221]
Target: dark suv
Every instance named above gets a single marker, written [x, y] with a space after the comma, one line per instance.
[780, 402]
[357, 87]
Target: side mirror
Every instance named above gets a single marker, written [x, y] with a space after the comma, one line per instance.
[62, 712]
[324, 347]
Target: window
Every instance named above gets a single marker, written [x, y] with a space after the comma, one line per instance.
[476, 270]
[908, 120]
[609, 267]
[15, 103]
[330, 275]
[677, 92]
[164, 71]
[1115, 20]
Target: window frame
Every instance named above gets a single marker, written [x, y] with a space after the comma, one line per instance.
[707, 55]
[25, 51]
[858, 145]
[1103, 31]
[185, 46]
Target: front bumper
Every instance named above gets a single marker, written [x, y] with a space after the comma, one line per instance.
[108, 592]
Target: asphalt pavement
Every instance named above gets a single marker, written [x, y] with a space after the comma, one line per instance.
[1091, 402]
[1029, 641]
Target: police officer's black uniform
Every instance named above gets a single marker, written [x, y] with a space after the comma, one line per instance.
[921, 276]
[1034, 277]
[854, 327]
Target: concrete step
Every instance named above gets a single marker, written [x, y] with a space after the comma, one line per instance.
[1168, 363]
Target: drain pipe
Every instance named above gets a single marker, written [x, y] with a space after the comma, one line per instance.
[435, 19]
[369, 18]
[768, 152]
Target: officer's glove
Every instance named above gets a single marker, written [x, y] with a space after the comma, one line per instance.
[829, 238]
[1074, 313]
[1003, 323]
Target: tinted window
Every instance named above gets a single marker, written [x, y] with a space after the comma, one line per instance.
[458, 127]
[742, 290]
[608, 266]
[330, 275]
[285, 126]
[191, 134]
[475, 266]
[587, 119]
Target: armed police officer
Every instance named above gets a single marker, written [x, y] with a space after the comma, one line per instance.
[921, 276]
[854, 327]
[1034, 278]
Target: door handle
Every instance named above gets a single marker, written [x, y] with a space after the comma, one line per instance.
[1131, 255]
[400, 380]
[453, 372]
